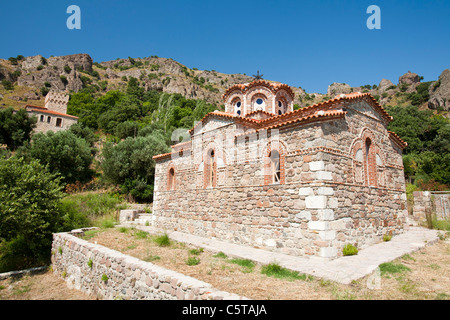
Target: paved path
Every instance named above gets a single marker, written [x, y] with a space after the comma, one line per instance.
[343, 270]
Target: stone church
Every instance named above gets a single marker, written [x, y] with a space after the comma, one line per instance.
[303, 182]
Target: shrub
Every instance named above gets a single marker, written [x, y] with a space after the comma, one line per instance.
[90, 263]
[130, 164]
[192, 261]
[29, 214]
[64, 153]
[105, 278]
[387, 237]
[15, 127]
[64, 80]
[8, 85]
[163, 240]
[349, 250]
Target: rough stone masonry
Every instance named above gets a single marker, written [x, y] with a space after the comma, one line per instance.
[304, 182]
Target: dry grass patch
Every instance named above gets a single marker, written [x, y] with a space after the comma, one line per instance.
[421, 275]
[42, 286]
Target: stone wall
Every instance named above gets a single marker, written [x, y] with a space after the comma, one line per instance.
[109, 275]
[44, 126]
[436, 203]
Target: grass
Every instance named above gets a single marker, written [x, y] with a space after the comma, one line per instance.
[92, 209]
[141, 235]
[275, 270]
[246, 264]
[220, 255]
[393, 268]
[162, 241]
[196, 252]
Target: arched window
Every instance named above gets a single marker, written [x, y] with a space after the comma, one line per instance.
[370, 163]
[275, 167]
[171, 180]
[210, 170]
[238, 107]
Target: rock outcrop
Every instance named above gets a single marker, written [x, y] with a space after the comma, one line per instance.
[385, 85]
[338, 88]
[409, 81]
[440, 92]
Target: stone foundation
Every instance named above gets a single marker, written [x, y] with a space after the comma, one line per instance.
[111, 275]
[300, 219]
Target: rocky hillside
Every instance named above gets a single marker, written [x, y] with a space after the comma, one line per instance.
[28, 79]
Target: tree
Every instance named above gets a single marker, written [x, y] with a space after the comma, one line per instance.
[29, 198]
[63, 153]
[15, 127]
[426, 159]
[130, 164]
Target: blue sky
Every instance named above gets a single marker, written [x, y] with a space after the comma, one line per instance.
[302, 43]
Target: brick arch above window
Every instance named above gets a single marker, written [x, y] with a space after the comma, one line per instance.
[274, 174]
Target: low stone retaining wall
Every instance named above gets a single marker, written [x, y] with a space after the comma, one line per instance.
[109, 274]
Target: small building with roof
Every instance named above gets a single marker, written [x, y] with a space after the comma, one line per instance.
[52, 117]
[304, 182]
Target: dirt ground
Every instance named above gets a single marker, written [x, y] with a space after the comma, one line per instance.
[424, 275]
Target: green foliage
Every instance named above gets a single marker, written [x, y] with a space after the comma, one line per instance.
[248, 265]
[64, 153]
[162, 240]
[192, 261]
[82, 210]
[29, 213]
[141, 235]
[64, 80]
[8, 85]
[427, 158]
[392, 267]
[105, 278]
[220, 255]
[421, 95]
[130, 164]
[349, 250]
[196, 252]
[15, 127]
[84, 132]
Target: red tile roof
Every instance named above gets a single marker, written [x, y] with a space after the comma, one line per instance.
[327, 110]
[47, 111]
[272, 86]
